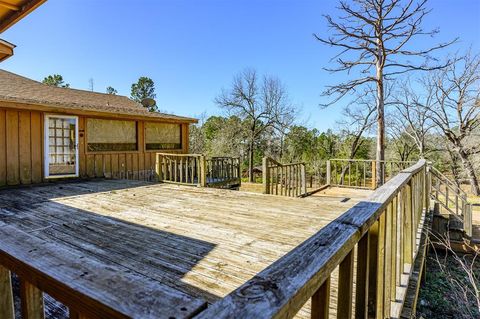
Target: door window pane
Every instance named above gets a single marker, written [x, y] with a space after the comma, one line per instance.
[62, 150]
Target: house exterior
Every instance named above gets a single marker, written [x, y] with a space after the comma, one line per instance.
[49, 132]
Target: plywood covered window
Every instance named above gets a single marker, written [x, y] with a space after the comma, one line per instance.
[111, 135]
[163, 136]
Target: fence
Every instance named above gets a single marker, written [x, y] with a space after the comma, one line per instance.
[383, 230]
[283, 179]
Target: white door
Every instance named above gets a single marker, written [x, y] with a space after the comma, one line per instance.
[61, 146]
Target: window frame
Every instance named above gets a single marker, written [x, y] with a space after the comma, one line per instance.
[161, 150]
[137, 131]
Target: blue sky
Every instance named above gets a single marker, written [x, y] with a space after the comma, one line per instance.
[192, 48]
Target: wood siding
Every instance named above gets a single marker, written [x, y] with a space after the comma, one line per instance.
[22, 150]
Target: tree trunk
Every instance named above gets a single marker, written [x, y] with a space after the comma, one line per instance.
[250, 161]
[380, 154]
[467, 164]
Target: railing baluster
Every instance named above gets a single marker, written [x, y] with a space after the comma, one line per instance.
[32, 301]
[276, 180]
[345, 287]
[321, 301]
[361, 283]
[388, 260]
[364, 174]
[380, 276]
[408, 227]
[394, 254]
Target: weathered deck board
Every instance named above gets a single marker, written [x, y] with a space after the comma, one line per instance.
[201, 242]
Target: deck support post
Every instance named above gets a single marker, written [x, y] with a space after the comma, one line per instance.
[374, 175]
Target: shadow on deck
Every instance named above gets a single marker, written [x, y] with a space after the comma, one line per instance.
[160, 257]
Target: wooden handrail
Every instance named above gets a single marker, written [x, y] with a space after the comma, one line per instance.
[88, 287]
[283, 179]
[281, 290]
[361, 173]
[369, 160]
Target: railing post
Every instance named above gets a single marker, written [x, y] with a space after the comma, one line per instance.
[6, 294]
[374, 175]
[203, 171]
[329, 172]
[265, 176]
[158, 168]
[467, 220]
[303, 179]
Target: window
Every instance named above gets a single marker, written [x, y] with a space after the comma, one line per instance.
[163, 136]
[111, 135]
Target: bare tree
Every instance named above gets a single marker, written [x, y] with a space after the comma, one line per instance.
[457, 109]
[411, 115]
[373, 36]
[261, 103]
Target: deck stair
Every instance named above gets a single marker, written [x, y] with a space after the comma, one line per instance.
[452, 208]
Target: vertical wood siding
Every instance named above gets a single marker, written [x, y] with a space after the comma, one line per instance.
[21, 147]
[21, 151]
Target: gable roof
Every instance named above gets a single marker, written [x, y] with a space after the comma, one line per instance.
[19, 89]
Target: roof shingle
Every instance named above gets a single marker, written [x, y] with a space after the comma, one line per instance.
[16, 88]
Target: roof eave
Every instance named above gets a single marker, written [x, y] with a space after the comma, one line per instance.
[43, 107]
[6, 50]
[19, 13]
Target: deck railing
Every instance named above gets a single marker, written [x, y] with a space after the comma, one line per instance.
[222, 170]
[185, 169]
[360, 173]
[283, 179]
[196, 169]
[76, 282]
[383, 231]
[452, 198]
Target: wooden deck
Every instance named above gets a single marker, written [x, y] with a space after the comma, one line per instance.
[201, 242]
